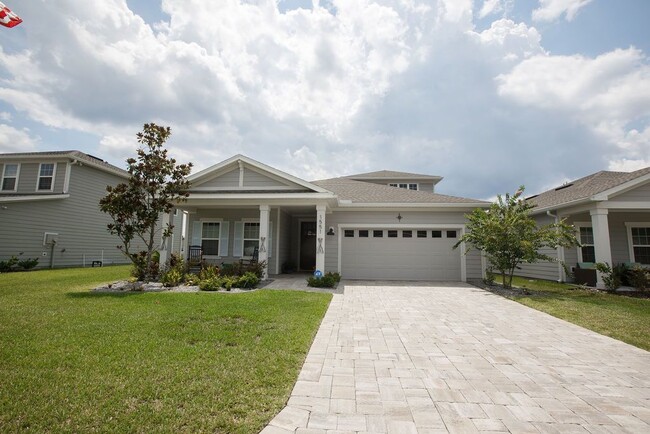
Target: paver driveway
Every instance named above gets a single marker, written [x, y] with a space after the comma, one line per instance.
[406, 359]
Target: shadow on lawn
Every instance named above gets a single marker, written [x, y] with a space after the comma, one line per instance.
[103, 294]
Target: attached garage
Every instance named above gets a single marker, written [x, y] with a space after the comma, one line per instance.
[405, 253]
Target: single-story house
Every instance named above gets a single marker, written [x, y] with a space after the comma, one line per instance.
[611, 211]
[379, 225]
[49, 209]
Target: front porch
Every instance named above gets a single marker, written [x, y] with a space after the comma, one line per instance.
[287, 237]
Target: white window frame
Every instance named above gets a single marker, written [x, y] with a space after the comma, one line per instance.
[220, 221]
[4, 171]
[243, 231]
[579, 225]
[629, 226]
[405, 185]
[38, 179]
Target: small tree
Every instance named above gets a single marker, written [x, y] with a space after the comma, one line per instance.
[509, 236]
[155, 184]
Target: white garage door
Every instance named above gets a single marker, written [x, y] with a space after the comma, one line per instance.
[400, 254]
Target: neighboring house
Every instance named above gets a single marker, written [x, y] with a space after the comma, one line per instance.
[49, 208]
[611, 211]
[379, 225]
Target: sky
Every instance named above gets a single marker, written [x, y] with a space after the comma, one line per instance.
[489, 94]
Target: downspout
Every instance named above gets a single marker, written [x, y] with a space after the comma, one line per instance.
[560, 252]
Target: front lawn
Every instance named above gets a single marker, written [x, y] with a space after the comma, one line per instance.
[75, 361]
[623, 318]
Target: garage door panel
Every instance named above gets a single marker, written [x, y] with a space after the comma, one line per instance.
[400, 258]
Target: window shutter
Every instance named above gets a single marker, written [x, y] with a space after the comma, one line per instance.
[223, 238]
[270, 243]
[196, 233]
[238, 245]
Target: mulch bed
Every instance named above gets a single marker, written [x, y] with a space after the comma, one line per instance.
[524, 292]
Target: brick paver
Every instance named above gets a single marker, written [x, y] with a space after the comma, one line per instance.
[454, 358]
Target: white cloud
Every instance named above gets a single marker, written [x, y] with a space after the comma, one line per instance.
[550, 10]
[490, 7]
[15, 140]
[342, 88]
[5, 116]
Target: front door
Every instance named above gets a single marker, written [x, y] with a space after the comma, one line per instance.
[307, 245]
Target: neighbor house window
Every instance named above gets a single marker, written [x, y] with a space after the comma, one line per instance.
[251, 237]
[10, 177]
[210, 238]
[46, 176]
[404, 186]
[587, 251]
[641, 244]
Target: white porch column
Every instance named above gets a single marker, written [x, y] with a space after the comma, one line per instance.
[320, 238]
[602, 247]
[264, 238]
[165, 243]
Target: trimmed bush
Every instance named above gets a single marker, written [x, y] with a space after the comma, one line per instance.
[328, 280]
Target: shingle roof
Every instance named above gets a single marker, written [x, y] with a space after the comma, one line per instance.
[69, 154]
[584, 188]
[391, 174]
[367, 192]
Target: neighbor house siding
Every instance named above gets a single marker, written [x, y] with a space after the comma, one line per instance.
[543, 269]
[77, 219]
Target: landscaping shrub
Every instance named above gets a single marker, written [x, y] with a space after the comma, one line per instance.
[622, 272]
[14, 264]
[489, 276]
[8, 265]
[139, 268]
[172, 277]
[639, 277]
[248, 281]
[227, 282]
[209, 272]
[611, 280]
[328, 280]
[212, 284]
[28, 264]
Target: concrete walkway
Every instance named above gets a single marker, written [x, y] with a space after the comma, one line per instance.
[454, 358]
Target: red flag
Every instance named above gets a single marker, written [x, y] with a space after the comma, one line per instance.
[8, 18]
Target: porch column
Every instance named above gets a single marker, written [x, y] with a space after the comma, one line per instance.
[602, 247]
[264, 238]
[320, 238]
[165, 246]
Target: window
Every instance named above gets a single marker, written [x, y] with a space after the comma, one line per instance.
[251, 237]
[210, 238]
[377, 234]
[349, 233]
[436, 234]
[392, 234]
[407, 234]
[641, 244]
[587, 251]
[363, 234]
[46, 176]
[404, 186]
[10, 177]
[422, 234]
[451, 234]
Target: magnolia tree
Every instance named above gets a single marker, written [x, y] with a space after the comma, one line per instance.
[155, 184]
[509, 236]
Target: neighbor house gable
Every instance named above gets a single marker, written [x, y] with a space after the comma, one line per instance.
[241, 173]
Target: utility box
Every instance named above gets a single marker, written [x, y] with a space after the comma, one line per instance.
[50, 238]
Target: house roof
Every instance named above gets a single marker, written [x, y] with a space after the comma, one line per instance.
[72, 154]
[391, 174]
[586, 188]
[369, 193]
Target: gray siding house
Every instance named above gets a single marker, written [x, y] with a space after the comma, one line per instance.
[381, 225]
[49, 208]
[611, 212]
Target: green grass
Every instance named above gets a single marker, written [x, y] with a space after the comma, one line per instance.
[74, 361]
[620, 317]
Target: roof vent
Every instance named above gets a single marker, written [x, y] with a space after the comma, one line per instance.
[563, 186]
